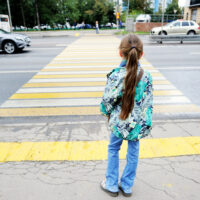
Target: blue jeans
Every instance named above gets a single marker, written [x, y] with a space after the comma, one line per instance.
[129, 172]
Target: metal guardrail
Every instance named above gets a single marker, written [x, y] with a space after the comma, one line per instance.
[181, 38]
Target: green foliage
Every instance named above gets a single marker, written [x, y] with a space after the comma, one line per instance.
[58, 11]
[140, 6]
[173, 6]
[123, 32]
[3, 7]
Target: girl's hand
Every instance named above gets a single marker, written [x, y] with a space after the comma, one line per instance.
[108, 118]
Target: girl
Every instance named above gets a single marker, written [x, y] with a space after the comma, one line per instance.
[128, 104]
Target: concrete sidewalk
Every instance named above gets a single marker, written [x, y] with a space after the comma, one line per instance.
[157, 178]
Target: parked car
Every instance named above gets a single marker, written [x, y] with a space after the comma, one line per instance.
[87, 26]
[19, 28]
[177, 27]
[45, 27]
[11, 42]
[67, 25]
[109, 25]
[143, 18]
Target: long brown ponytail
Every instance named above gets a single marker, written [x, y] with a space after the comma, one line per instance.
[131, 48]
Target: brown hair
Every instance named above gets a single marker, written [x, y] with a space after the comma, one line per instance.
[131, 48]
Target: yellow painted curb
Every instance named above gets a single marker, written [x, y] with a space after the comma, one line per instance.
[95, 150]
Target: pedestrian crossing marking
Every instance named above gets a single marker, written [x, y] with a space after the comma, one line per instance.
[95, 150]
[62, 102]
[75, 69]
[81, 76]
[105, 72]
[84, 69]
[89, 110]
[80, 94]
[82, 89]
[73, 84]
[70, 84]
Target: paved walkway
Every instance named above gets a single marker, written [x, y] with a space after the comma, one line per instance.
[162, 178]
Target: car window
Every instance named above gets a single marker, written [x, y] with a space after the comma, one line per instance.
[192, 24]
[3, 19]
[176, 24]
[185, 23]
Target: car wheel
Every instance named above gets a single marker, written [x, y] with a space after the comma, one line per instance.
[191, 33]
[9, 47]
[162, 33]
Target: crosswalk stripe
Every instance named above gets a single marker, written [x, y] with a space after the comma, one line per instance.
[61, 89]
[88, 63]
[80, 76]
[94, 110]
[85, 61]
[73, 84]
[82, 67]
[78, 80]
[88, 68]
[85, 67]
[76, 69]
[66, 80]
[69, 84]
[82, 102]
[81, 89]
[73, 72]
[82, 72]
[95, 150]
[81, 94]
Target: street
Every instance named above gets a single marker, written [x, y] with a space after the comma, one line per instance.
[54, 141]
[179, 63]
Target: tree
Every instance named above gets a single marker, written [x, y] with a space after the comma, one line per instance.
[3, 7]
[33, 12]
[141, 6]
[22, 11]
[172, 7]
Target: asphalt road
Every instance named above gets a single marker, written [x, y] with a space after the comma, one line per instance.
[179, 63]
[17, 69]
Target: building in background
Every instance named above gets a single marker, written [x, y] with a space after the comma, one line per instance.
[192, 12]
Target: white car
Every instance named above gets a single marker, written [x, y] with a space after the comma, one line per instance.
[143, 18]
[177, 27]
[11, 42]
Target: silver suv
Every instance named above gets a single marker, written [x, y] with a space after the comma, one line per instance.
[177, 27]
[11, 42]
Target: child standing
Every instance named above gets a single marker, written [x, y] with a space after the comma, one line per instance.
[128, 104]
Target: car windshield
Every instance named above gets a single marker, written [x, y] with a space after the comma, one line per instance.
[3, 32]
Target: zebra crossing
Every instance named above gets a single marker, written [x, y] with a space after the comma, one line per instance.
[73, 84]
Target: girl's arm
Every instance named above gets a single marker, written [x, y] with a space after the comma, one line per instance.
[112, 93]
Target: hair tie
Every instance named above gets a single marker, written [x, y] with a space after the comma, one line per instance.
[133, 47]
